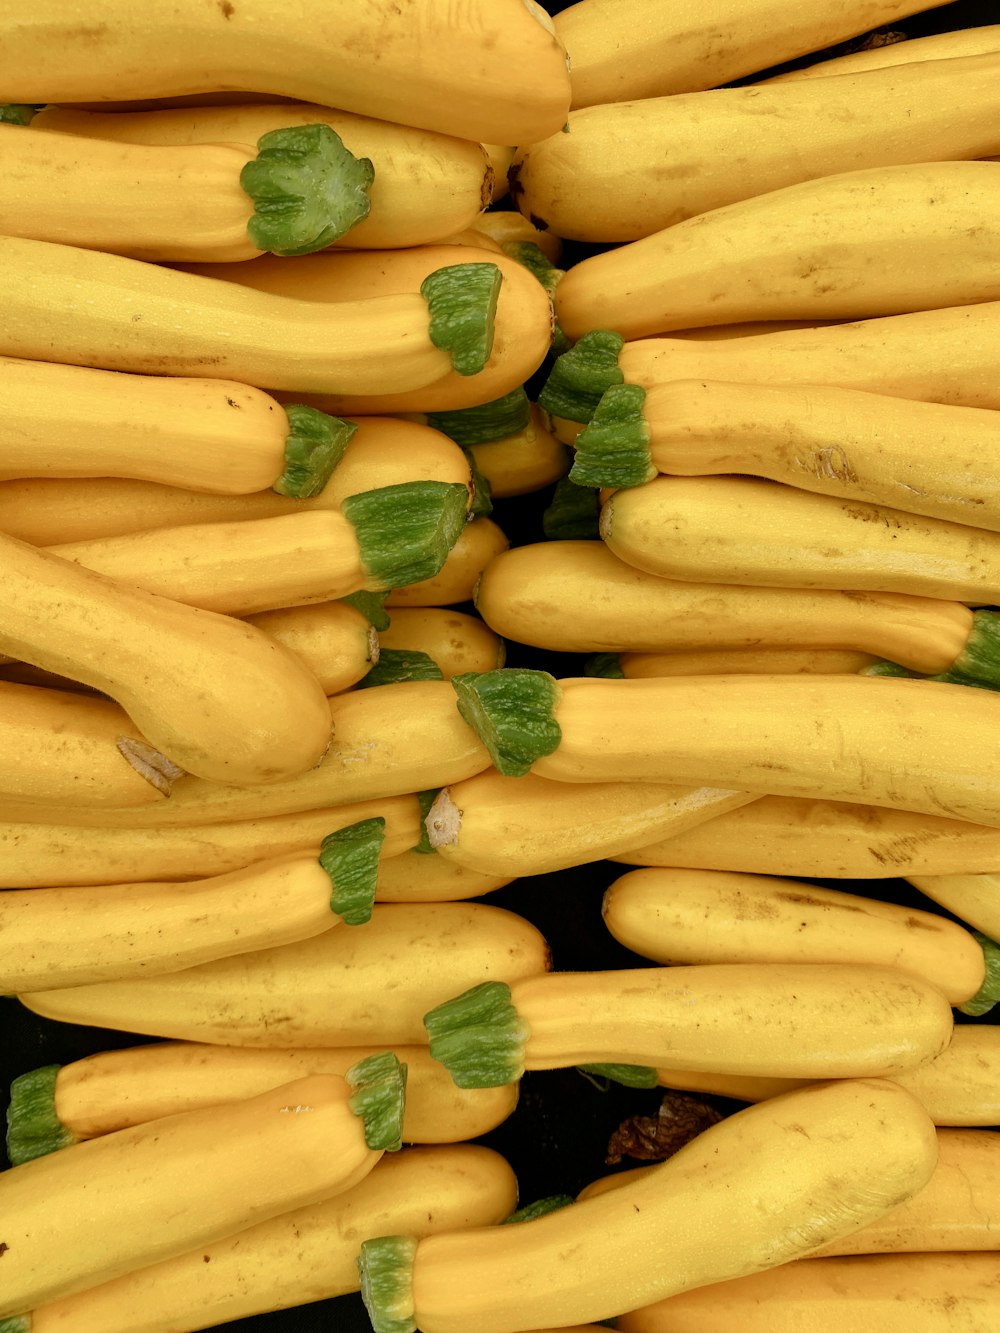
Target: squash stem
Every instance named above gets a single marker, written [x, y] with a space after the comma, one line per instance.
[550, 1204]
[406, 531]
[379, 1099]
[581, 376]
[486, 422]
[350, 856]
[462, 302]
[314, 446]
[606, 665]
[371, 605]
[536, 261]
[396, 664]
[307, 190]
[629, 1076]
[573, 514]
[33, 1126]
[979, 660]
[512, 711]
[613, 450]
[385, 1265]
[988, 993]
[426, 800]
[478, 1036]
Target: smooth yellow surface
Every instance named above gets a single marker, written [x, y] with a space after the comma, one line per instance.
[937, 46]
[753, 661]
[523, 462]
[456, 641]
[334, 640]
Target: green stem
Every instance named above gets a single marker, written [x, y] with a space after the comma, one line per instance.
[893, 669]
[350, 857]
[512, 711]
[426, 800]
[988, 993]
[372, 607]
[307, 189]
[551, 1204]
[486, 422]
[462, 301]
[536, 261]
[385, 1265]
[614, 449]
[17, 1323]
[482, 496]
[406, 531]
[314, 446]
[479, 1036]
[573, 513]
[629, 1076]
[379, 1099]
[581, 376]
[17, 113]
[606, 665]
[33, 1127]
[979, 660]
[396, 664]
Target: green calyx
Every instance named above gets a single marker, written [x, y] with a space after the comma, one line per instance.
[573, 514]
[614, 449]
[385, 1266]
[396, 664]
[314, 446]
[378, 1099]
[539, 1208]
[372, 607]
[350, 857]
[307, 189]
[606, 665]
[894, 670]
[536, 261]
[462, 302]
[512, 711]
[18, 1323]
[629, 1076]
[479, 1036]
[426, 799]
[33, 1127]
[406, 531]
[17, 113]
[989, 992]
[979, 660]
[581, 376]
[486, 422]
[482, 493]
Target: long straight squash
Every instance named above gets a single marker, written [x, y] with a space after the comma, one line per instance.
[756, 1190]
[947, 45]
[631, 168]
[499, 73]
[746, 530]
[215, 695]
[122, 314]
[921, 457]
[927, 747]
[75, 1218]
[723, 661]
[367, 986]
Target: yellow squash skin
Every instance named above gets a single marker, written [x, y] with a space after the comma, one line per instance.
[85, 302]
[304, 1255]
[335, 641]
[328, 280]
[629, 48]
[797, 253]
[788, 835]
[121, 198]
[735, 1200]
[61, 747]
[823, 1020]
[908, 744]
[457, 642]
[936, 356]
[938, 46]
[33, 855]
[576, 596]
[753, 661]
[522, 463]
[115, 1089]
[372, 984]
[414, 877]
[93, 1211]
[973, 898]
[661, 914]
[384, 451]
[499, 72]
[427, 185]
[764, 533]
[216, 696]
[203, 435]
[72, 936]
[505, 227]
[611, 179]
[456, 581]
[924, 458]
[529, 826]
[926, 1293]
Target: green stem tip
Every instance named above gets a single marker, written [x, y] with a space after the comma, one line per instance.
[17, 1323]
[396, 664]
[979, 660]
[462, 302]
[350, 857]
[426, 799]
[606, 665]
[486, 422]
[482, 492]
[307, 190]
[33, 1127]
[18, 113]
[613, 450]
[379, 1099]
[314, 446]
[573, 513]
[405, 532]
[512, 711]
[371, 605]
[989, 992]
[551, 1204]
[536, 261]
[894, 670]
[385, 1266]
[581, 376]
[479, 1036]
[629, 1076]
